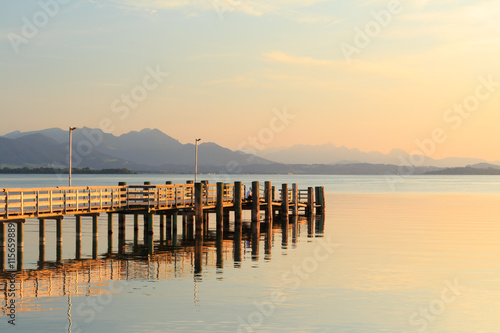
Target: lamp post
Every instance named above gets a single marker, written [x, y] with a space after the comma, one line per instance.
[71, 129]
[196, 159]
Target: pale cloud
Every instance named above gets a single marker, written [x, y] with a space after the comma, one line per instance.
[386, 69]
[238, 80]
[290, 9]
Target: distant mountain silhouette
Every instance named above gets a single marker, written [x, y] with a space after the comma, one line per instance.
[146, 150]
[151, 150]
[331, 154]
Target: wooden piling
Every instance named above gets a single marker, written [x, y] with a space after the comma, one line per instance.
[136, 230]
[238, 198]
[268, 195]
[162, 229]
[310, 201]
[168, 234]
[95, 235]
[174, 228]
[121, 233]
[59, 238]
[284, 203]
[320, 199]
[295, 200]
[219, 208]
[41, 242]
[255, 202]
[198, 207]
[20, 244]
[78, 237]
[110, 232]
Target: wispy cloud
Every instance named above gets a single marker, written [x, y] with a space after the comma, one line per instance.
[383, 69]
[291, 9]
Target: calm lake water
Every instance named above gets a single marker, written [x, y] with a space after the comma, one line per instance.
[412, 254]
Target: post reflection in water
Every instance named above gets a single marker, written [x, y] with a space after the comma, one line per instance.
[156, 258]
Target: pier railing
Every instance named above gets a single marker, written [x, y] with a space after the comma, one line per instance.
[23, 203]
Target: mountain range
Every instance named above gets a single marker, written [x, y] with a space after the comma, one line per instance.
[331, 154]
[151, 150]
[146, 150]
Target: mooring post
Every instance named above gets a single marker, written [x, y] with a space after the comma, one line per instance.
[284, 203]
[121, 233]
[191, 225]
[320, 200]
[198, 207]
[310, 201]
[168, 235]
[269, 242]
[269, 202]
[151, 230]
[136, 230]
[78, 237]
[162, 229]
[110, 232]
[184, 225]
[238, 198]
[41, 241]
[20, 244]
[219, 207]
[95, 235]
[174, 228]
[295, 198]
[255, 202]
[59, 238]
[206, 222]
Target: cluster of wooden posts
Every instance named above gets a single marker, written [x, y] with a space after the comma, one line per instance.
[193, 201]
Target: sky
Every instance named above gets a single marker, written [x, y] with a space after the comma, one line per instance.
[418, 75]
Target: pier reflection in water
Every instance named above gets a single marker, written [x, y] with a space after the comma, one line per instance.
[168, 254]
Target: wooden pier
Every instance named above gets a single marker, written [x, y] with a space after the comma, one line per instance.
[194, 202]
